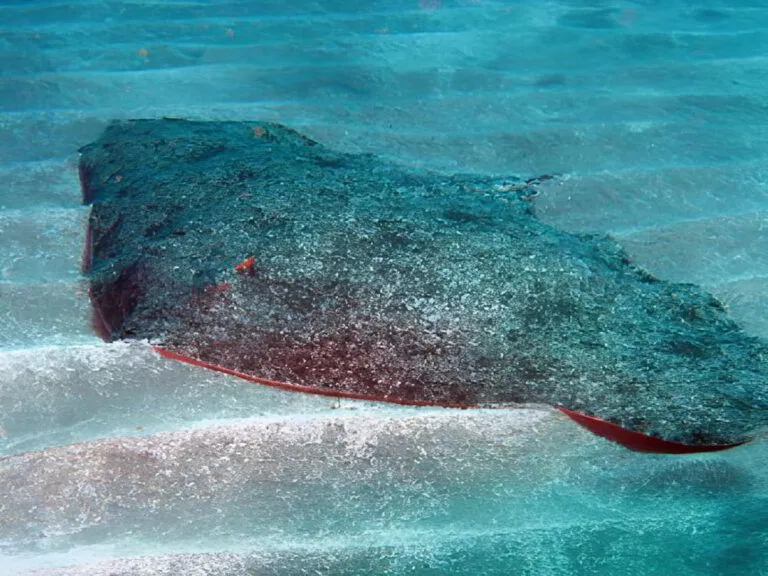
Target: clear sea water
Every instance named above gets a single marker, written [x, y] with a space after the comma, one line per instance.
[653, 113]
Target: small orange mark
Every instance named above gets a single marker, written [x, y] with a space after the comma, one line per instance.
[246, 266]
[230, 33]
[258, 131]
[143, 52]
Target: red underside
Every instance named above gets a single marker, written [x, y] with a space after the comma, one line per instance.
[633, 440]
[637, 441]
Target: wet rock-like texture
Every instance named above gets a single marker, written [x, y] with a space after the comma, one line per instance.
[397, 283]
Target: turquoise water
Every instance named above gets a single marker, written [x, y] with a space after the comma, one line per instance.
[654, 115]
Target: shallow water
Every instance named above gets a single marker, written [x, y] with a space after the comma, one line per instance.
[655, 117]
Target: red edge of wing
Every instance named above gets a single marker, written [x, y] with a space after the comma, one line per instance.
[632, 440]
[86, 262]
[301, 388]
[98, 323]
[636, 440]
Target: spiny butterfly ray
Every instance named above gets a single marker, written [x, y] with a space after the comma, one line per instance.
[248, 248]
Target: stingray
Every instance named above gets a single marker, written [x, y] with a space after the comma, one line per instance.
[249, 248]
